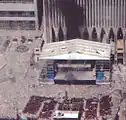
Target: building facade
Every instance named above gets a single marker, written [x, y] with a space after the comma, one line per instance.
[18, 15]
[88, 19]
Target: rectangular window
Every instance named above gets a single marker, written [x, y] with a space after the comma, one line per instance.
[17, 14]
[17, 25]
[16, 1]
[104, 64]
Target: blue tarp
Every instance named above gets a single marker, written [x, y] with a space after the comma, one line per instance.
[100, 75]
[50, 75]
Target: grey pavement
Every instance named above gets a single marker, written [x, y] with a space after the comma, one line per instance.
[21, 81]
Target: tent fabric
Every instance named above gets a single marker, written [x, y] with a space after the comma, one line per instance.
[76, 49]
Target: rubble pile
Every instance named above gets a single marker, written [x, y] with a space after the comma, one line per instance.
[91, 108]
[33, 105]
[44, 107]
[105, 105]
[47, 109]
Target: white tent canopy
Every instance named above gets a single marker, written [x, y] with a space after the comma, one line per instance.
[76, 49]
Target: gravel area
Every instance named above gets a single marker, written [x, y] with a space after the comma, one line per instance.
[22, 82]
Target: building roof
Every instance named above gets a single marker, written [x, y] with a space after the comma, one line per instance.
[76, 49]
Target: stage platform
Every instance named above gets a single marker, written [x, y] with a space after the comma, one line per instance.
[75, 77]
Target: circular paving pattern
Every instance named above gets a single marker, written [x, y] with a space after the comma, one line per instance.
[22, 48]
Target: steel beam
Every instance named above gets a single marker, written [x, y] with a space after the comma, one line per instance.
[93, 14]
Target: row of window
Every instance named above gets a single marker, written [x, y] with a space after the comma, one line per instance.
[17, 25]
[105, 14]
[16, 1]
[17, 14]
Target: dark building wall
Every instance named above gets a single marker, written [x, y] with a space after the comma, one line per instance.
[40, 12]
[87, 19]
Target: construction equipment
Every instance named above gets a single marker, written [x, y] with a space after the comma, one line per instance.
[120, 50]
